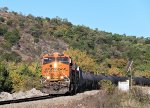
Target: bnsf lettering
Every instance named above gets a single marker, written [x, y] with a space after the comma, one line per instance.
[55, 69]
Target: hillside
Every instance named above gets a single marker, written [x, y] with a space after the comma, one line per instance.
[31, 37]
[24, 38]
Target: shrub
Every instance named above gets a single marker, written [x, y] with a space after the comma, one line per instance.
[24, 76]
[106, 85]
[138, 94]
[59, 33]
[3, 30]
[48, 19]
[11, 57]
[147, 41]
[9, 22]
[21, 24]
[15, 13]
[35, 32]
[36, 40]
[6, 46]
[12, 37]
[2, 19]
[5, 81]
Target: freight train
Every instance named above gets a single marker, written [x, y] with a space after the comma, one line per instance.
[60, 75]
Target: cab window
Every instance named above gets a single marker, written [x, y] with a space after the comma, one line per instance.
[48, 60]
[63, 59]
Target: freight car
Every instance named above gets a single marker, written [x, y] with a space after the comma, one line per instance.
[60, 75]
[142, 81]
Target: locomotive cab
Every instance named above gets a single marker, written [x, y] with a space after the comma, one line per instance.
[55, 73]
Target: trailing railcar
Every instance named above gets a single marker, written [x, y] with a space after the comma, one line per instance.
[141, 81]
[60, 75]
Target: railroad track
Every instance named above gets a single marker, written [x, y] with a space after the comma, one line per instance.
[31, 99]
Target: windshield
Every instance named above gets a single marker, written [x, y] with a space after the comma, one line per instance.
[48, 60]
[63, 59]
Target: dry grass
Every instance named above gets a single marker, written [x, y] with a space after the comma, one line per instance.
[92, 99]
[133, 99]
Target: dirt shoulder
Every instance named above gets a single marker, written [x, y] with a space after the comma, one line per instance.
[92, 99]
[82, 100]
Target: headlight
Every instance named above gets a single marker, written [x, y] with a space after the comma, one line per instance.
[55, 65]
[61, 77]
[48, 77]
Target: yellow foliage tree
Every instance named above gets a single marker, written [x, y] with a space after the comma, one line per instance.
[117, 66]
[82, 59]
[15, 70]
[145, 73]
[114, 71]
[120, 63]
[24, 76]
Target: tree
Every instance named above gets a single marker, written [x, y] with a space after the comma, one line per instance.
[2, 19]
[24, 76]
[3, 30]
[12, 37]
[11, 57]
[36, 31]
[9, 22]
[5, 81]
[83, 60]
[4, 9]
[59, 33]
[147, 41]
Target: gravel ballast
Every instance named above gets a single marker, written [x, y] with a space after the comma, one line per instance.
[20, 95]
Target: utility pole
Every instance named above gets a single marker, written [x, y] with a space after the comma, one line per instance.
[129, 65]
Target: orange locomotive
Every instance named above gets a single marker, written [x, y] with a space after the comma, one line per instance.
[56, 72]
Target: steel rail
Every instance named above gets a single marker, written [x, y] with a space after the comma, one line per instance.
[30, 99]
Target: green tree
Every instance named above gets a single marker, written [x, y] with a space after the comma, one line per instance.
[3, 9]
[147, 41]
[12, 37]
[11, 57]
[2, 19]
[5, 81]
[25, 76]
[35, 31]
[3, 30]
[9, 22]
